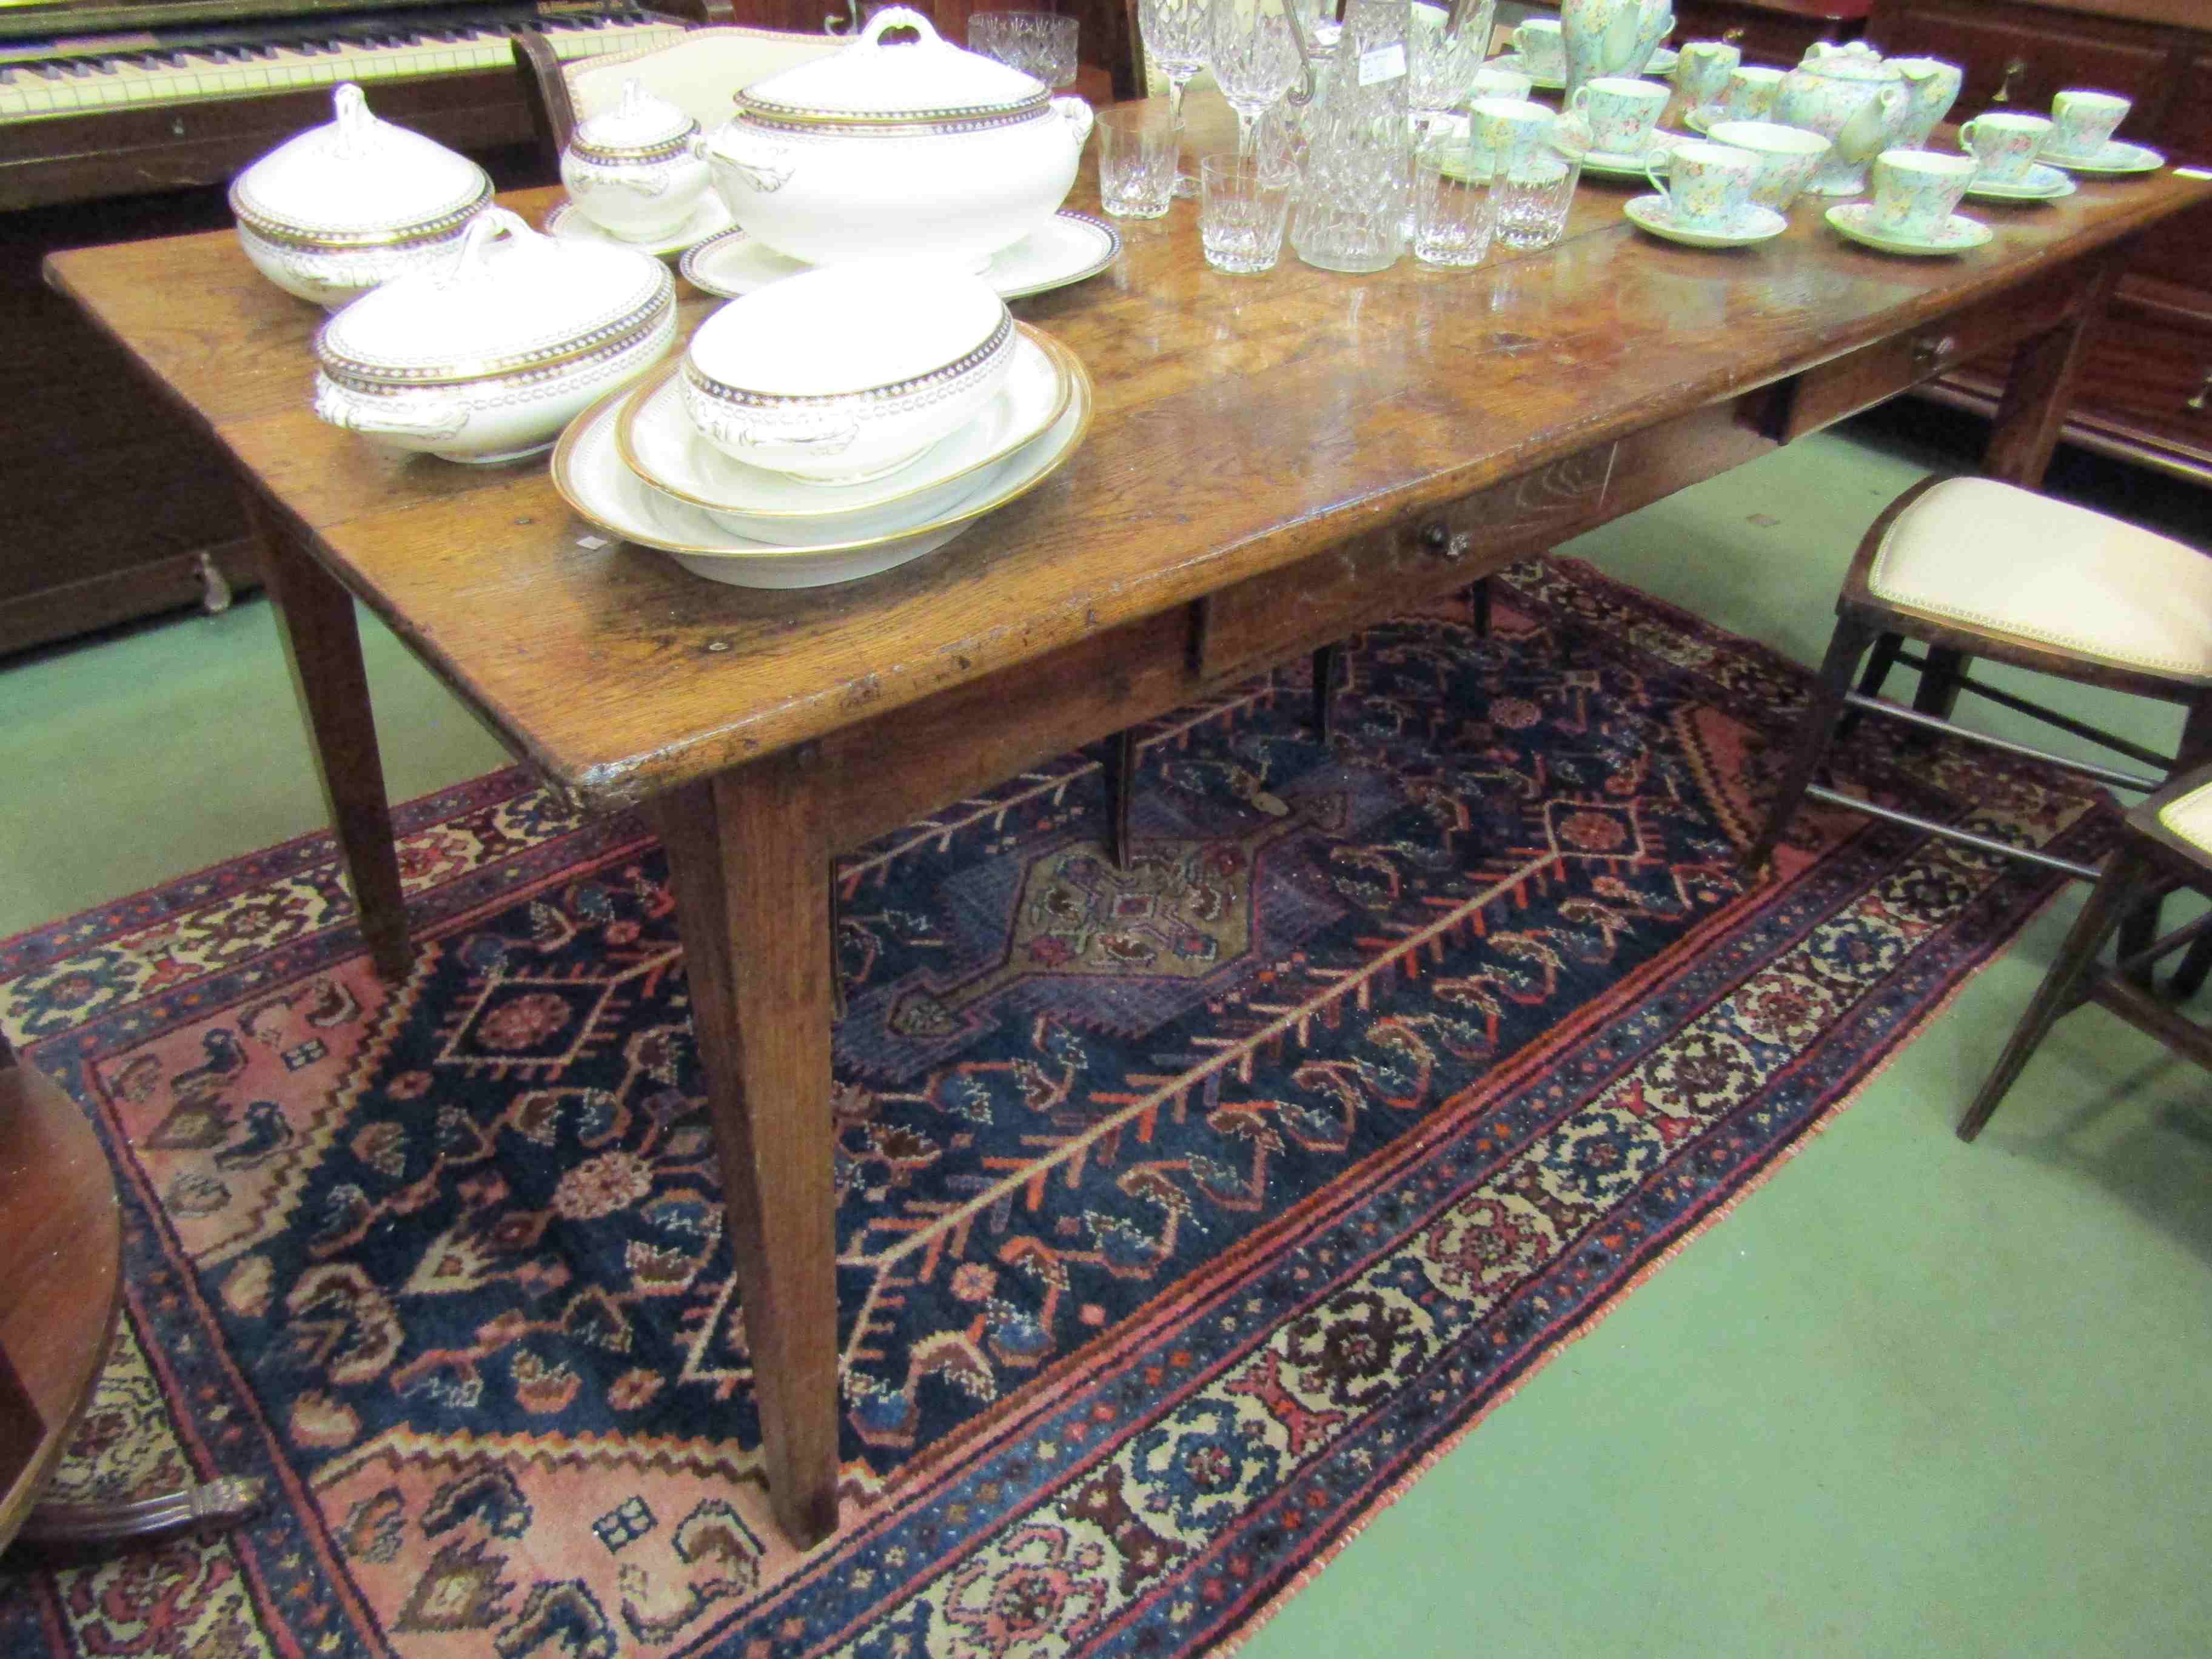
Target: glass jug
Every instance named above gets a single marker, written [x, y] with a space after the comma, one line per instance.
[1352, 213]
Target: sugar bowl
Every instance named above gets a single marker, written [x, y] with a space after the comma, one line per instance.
[636, 170]
[333, 211]
[489, 357]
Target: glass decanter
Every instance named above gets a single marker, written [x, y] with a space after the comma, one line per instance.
[1353, 214]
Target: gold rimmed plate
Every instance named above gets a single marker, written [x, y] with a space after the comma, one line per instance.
[658, 442]
[589, 473]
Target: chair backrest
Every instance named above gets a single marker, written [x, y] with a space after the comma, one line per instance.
[697, 74]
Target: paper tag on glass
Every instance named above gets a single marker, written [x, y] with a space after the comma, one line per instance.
[1382, 64]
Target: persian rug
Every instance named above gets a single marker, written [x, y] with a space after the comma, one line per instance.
[1184, 1212]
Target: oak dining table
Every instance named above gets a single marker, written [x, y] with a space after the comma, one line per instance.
[1274, 462]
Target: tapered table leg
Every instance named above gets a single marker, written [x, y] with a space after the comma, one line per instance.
[749, 863]
[322, 643]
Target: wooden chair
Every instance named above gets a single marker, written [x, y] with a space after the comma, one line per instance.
[697, 74]
[1979, 568]
[60, 1302]
[2166, 843]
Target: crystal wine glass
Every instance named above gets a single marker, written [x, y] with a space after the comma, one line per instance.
[1173, 33]
[1443, 61]
[1037, 43]
[1254, 58]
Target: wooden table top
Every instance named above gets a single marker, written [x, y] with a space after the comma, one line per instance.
[1243, 423]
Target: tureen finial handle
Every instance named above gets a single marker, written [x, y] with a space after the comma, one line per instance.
[356, 126]
[899, 17]
[492, 226]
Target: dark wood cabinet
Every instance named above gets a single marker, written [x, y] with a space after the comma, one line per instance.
[2146, 391]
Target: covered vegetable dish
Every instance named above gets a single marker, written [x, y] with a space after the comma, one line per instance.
[635, 170]
[820, 376]
[887, 150]
[487, 357]
[335, 210]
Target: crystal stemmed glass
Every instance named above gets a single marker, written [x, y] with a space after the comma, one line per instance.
[1037, 43]
[1441, 61]
[1173, 33]
[1254, 58]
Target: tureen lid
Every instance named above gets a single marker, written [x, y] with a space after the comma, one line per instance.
[1854, 60]
[639, 124]
[510, 300]
[830, 332]
[871, 84]
[356, 182]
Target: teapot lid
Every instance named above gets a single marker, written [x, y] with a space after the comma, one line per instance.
[930, 82]
[640, 123]
[357, 182]
[1854, 60]
[509, 300]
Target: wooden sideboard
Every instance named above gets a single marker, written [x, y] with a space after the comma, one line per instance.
[2146, 391]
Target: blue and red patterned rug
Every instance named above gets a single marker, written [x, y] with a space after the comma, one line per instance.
[1184, 1212]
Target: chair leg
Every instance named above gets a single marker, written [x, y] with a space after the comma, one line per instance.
[1815, 730]
[1885, 651]
[1939, 682]
[2189, 978]
[2110, 901]
[836, 972]
[1120, 770]
[1478, 606]
[1324, 685]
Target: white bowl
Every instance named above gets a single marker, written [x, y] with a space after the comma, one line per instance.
[897, 149]
[334, 211]
[487, 357]
[846, 373]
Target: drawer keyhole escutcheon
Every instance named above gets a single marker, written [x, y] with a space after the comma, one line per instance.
[1439, 540]
[2016, 68]
[1930, 349]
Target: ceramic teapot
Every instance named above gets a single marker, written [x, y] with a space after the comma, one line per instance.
[1611, 37]
[883, 149]
[1852, 98]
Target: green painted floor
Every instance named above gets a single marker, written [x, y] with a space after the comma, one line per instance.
[1910, 1398]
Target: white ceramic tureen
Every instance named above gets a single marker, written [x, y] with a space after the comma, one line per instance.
[635, 170]
[888, 149]
[330, 213]
[489, 356]
[819, 375]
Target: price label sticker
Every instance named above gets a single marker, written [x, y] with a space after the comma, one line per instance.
[1381, 64]
[593, 543]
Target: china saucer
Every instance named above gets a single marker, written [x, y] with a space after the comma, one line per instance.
[1619, 164]
[2040, 184]
[658, 441]
[1959, 234]
[1519, 65]
[588, 471]
[2117, 156]
[1662, 61]
[1066, 248]
[1755, 224]
[711, 217]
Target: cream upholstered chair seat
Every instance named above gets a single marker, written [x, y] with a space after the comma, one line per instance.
[2190, 817]
[1971, 568]
[1995, 556]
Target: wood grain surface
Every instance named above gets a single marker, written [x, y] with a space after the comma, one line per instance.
[1243, 423]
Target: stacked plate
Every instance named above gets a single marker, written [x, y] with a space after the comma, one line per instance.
[821, 497]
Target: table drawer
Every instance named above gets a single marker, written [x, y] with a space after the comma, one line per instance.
[1384, 571]
[1859, 379]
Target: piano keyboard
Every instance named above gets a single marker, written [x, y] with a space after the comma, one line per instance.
[53, 86]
